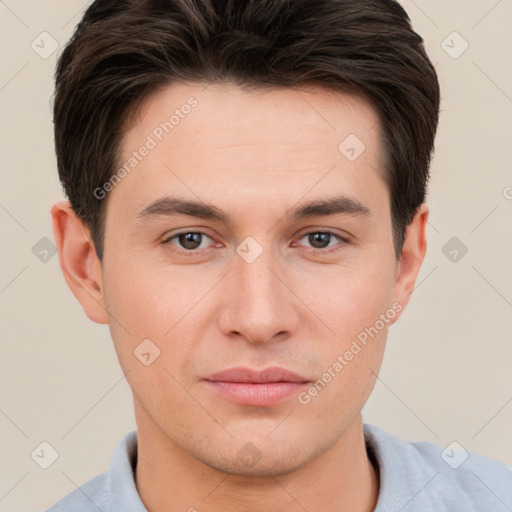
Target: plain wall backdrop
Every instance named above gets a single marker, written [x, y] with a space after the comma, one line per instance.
[447, 370]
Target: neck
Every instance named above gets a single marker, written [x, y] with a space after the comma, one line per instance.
[170, 480]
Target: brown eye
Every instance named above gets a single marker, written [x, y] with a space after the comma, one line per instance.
[189, 240]
[319, 240]
[322, 239]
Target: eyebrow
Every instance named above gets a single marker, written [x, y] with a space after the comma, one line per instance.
[168, 206]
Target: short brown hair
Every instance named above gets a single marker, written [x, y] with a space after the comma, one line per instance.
[124, 50]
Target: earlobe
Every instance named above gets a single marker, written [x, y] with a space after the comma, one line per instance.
[78, 261]
[413, 253]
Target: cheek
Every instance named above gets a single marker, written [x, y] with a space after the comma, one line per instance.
[146, 309]
[349, 297]
[151, 299]
[358, 303]
[167, 306]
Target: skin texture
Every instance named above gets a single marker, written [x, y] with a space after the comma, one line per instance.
[255, 155]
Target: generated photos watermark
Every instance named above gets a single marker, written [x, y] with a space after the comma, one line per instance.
[355, 348]
[152, 140]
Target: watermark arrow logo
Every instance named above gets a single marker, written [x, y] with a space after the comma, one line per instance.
[44, 455]
[44, 250]
[454, 45]
[44, 45]
[146, 352]
[352, 147]
[454, 455]
[454, 249]
[249, 250]
[249, 454]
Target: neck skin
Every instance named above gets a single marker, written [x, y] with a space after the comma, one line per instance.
[171, 480]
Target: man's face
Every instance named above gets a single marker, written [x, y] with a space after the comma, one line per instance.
[258, 288]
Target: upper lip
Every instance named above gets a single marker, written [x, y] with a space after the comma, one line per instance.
[273, 374]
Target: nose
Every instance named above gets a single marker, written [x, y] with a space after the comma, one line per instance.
[259, 304]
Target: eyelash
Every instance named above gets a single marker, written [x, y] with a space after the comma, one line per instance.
[195, 252]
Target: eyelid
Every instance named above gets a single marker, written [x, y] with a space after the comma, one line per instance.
[343, 240]
[168, 238]
[346, 237]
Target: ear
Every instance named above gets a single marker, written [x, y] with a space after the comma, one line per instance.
[78, 261]
[413, 252]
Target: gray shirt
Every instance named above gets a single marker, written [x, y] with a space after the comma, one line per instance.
[420, 477]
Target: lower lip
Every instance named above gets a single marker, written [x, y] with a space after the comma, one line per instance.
[261, 395]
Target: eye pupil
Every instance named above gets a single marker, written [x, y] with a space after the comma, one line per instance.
[319, 240]
[190, 240]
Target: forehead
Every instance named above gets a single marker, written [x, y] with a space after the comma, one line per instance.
[313, 110]
[224, 141]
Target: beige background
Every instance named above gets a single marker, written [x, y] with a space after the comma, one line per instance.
[447, 370]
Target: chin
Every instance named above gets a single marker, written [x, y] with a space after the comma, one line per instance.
[264, 464]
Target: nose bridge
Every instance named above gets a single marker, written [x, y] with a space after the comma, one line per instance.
[259, 305]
